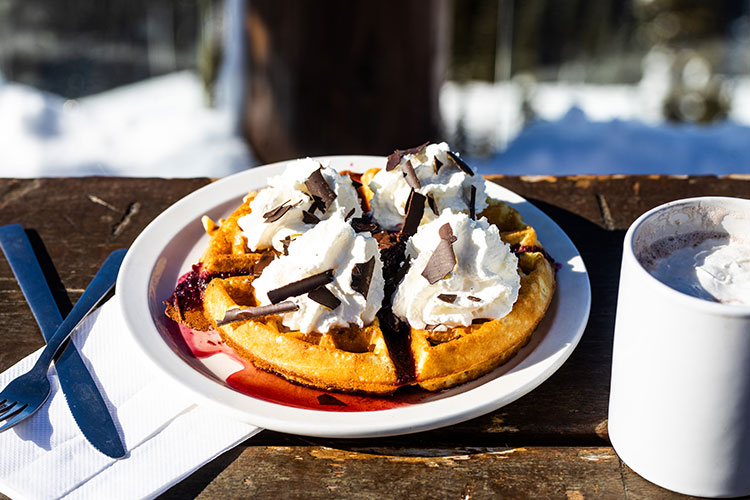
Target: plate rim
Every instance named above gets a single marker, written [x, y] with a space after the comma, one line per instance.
[138, 268]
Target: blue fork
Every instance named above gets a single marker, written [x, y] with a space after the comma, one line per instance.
[28, 392]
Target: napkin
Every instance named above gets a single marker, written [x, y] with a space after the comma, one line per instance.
[167, 436]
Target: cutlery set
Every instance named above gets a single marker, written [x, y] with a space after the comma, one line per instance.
[27, 393]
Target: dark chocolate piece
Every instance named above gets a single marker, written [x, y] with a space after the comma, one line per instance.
[517, 248]
[393, 160]
[414, 213]
[310, 217]
[277, 213]
[247, 313]
[432, 204]
[473, 299]
[443, 260]
[285, 241]
[328, 400]
[324, 297]
[349, 214]
[414, 150]
[436, 164]
[301, 287]
[472, 203]
[261, 263]
[361, 224]
[320, 190]
[462, 166]
[361, 276]
[450, 298]
[446, 233]
[410, 175]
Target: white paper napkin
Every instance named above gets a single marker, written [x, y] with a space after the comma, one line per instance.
[167, 436]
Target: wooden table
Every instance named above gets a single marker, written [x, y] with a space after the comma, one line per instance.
[551, 443]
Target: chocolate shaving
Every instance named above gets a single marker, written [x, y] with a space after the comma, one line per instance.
[517, 248]
[328, 400]
[432, 204]
[320, 190]
[436, 164]
[443, 260]
[285, 241]
[393, 160]
[450, 298]
[472, 203]
[301, 287]
[361, 276]
[446, 233]
[473, 299]
[411, 176]
[414, 213]
[310, 217]
[356, 184]
[361, 224]
[349, 214]
[414, 150]
[277, 213]
[261, 263]
[324, 297]
[462, 166]
[244, 314]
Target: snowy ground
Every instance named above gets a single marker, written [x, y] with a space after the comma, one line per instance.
[160, 128]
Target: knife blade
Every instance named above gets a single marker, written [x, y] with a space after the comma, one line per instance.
[81, 392]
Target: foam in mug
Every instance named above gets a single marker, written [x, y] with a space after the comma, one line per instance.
[700, 249]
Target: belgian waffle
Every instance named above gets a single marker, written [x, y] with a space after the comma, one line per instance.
[382, 356]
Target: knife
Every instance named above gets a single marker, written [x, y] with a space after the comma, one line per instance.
[84, 400]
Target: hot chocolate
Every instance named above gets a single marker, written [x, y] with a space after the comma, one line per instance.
[709, 265]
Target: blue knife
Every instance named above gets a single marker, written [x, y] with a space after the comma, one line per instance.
[86, 403]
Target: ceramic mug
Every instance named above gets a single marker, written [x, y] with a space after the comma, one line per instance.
[679, 409]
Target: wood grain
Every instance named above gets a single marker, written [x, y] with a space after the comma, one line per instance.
[475, 473]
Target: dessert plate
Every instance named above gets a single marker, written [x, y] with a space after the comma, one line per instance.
[174, 241]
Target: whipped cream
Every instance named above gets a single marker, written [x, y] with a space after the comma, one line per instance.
[449, 187]
[290, 188]
[331, 244]
[485, 280]
[716, 269]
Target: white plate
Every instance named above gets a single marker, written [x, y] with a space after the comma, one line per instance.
[174, 241]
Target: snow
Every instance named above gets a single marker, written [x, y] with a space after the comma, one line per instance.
[157, 128]
[576, 144]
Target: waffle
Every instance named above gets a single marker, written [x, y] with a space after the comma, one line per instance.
[380, 357]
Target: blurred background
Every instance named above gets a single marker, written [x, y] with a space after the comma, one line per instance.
[185, 88]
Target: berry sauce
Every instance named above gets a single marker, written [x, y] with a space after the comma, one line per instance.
[191, 285]
[269, 387]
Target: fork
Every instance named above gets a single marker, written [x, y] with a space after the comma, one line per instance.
[27, 393]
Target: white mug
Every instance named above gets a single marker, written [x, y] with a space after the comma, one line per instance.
[679, 409]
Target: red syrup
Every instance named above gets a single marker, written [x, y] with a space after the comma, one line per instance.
[269, 387]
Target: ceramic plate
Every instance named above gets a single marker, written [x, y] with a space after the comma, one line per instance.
[175, 240]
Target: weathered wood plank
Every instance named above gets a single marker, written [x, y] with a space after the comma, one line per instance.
[77, 222]
[460, 472]
[614, 201]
